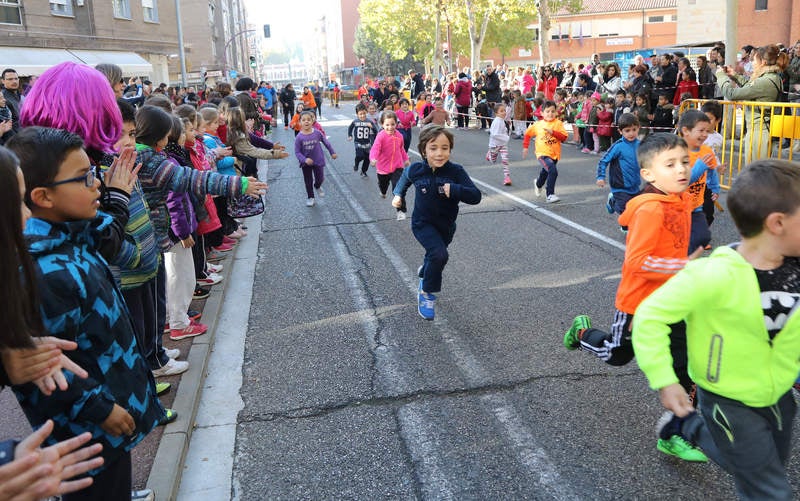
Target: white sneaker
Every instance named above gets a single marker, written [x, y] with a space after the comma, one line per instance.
[553, 198]
[214, 268]
[320, 192]
[310, 202]
[536, 190]
[171, 368]
[174, 354]
[401, 216]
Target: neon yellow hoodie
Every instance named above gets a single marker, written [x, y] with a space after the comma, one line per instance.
[730, 352]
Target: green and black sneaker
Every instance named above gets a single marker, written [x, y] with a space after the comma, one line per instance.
[672, 442]
[572, 338]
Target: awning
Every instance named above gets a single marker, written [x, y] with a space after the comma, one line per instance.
[132, 64]
[34, 61]
[28, 61]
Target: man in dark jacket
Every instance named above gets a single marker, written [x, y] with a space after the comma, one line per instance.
[491, 86]
[417, 84]
[13, 97]
[287, 97]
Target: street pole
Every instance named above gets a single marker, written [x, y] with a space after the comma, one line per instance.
[225, 52]
[731, 45]
[181, 53]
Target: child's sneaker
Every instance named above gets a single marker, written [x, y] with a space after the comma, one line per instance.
[426, 304]
[162, 388]
[488, 158]
[191, 330]
[672, 442]
[172, 353]
[310, 202]
[551, 199]
[610, 203]
[572, 338]
[211, 279]
[213, 255]
[214, 268]
[200, 293]
[586, 150]
[320, 192]
[536, 190]
[507, 181]
[401, 216]
[171, 368]
[168, 417]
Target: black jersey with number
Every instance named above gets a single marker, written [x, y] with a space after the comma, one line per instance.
[363, 133]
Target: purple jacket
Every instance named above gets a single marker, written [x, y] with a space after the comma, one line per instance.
[182, 219]
[308, 146]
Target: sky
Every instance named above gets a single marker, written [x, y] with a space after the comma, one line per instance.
[285, 17]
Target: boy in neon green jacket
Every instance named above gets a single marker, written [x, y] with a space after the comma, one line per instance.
[743, 336]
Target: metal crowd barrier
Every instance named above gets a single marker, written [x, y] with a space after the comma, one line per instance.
[745, 139]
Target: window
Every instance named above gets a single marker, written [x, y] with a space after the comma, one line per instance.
[761, 4]
[122, 9]
[9, 12]
[655, 19]
[61, 7]
[150, 10]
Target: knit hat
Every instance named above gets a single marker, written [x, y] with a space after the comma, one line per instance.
[597, 96]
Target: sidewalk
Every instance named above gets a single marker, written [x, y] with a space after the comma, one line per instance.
[158, 460]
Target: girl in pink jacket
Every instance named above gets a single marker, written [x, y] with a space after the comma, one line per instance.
[389, 157]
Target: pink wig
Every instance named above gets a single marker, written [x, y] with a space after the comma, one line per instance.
[79, 99]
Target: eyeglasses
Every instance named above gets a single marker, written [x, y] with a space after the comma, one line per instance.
[87, 180]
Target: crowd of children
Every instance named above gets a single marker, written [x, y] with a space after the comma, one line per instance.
[118, 199]
[144, 202]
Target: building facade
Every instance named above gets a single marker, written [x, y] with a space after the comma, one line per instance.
[217, 40]
[138, 35]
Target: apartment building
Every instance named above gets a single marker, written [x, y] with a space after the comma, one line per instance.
[138, 35]
[216, 40]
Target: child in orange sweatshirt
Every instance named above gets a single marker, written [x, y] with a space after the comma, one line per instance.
[549, 133]
[658, 222]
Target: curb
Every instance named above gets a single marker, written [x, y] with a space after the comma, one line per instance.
[167, 469]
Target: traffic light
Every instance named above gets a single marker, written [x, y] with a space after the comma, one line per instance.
[362, 63]
[266, 31]
[252, 61]
[445, 51]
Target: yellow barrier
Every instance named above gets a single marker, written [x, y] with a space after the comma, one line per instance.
[746, 138]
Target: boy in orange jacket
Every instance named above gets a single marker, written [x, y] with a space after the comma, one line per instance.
[658, 221]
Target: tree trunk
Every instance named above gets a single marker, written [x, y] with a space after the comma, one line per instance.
[476, 35]
[437, 44]
[544, 31]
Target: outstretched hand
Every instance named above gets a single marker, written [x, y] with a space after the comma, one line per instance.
[40, 473]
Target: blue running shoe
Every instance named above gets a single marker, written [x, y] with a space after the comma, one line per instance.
[426, 305]
[610, 203]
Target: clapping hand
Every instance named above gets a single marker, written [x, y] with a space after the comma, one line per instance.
[123, 172]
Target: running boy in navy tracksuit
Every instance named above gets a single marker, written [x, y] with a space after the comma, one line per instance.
[440, 185]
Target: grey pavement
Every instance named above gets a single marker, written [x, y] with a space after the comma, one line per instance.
[347, 393]
[341, 391]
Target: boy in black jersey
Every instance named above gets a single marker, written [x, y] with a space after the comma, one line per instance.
[364, 132]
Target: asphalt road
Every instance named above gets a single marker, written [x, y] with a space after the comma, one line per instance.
[349, 394]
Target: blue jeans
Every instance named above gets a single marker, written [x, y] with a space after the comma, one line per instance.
[548, 175]
[750, 443]
[406, 133]
[435, 242]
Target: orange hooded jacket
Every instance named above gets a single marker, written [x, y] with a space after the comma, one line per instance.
[656, 247]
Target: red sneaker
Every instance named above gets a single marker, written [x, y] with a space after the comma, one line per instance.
[229, 241]
[223, 248]
[192, 330]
